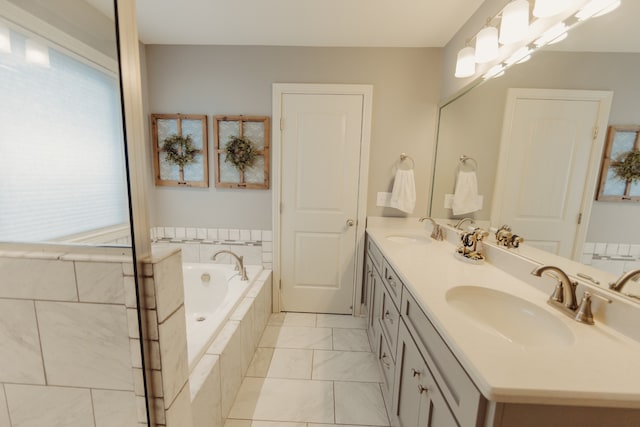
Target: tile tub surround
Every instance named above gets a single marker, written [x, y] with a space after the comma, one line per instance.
[296, 382]
[216, 378]
[199, 244]
[65, 328]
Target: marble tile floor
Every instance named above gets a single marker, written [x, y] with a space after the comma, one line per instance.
[311, 370]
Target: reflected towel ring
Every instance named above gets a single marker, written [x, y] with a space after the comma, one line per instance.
[404, 156]
[463, 162]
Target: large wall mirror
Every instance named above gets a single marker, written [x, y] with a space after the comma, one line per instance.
[601, 55]
[62, 162]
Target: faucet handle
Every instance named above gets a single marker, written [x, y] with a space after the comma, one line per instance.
[584, 314]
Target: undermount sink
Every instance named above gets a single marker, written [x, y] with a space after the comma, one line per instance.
[408, 238]
[512, 318]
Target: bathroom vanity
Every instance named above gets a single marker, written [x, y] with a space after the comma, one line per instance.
[472, 345]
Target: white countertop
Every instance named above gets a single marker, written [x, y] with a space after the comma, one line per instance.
[600, 368]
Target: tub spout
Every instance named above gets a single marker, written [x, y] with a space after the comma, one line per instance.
[239, 263]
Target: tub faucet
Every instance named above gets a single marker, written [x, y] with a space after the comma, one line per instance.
[622, 280]
[239, 263]
[436, 233]
[565, 291]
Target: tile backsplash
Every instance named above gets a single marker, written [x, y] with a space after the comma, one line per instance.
[199, 244]
[615, 258]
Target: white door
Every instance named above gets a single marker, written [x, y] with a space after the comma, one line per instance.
[321, 140]
[545, 179]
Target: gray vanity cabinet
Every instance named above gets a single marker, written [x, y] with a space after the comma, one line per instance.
[422, 382]
[419, 401]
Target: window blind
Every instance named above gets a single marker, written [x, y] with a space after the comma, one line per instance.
[62, 167]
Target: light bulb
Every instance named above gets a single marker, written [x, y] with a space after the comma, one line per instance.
[466, 63]
[515, 22]
[487, 45]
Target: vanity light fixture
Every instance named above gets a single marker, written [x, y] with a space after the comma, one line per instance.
[5, 39]
[550, 22]
[514, 25]
[487, 45]
[466, 63]
[36, 53]
[597, 8]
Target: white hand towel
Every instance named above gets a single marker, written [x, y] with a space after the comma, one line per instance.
[403, 195]
[465, 196]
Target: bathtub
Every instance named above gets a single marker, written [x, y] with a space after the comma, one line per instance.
[211, 293]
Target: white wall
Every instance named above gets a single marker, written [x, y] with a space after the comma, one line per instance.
[238, 79]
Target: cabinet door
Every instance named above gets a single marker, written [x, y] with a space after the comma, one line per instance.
[418, 400]
[373, 327]
[366, 287]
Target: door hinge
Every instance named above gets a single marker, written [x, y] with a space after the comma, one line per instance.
[580, 218]
[282, 123]
[595, 132]
[280, 284]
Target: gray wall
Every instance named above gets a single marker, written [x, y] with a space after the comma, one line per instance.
[238, 80]
[482, 110]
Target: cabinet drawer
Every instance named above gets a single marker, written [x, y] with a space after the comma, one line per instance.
[375, 254]
[392, 282]
[466, 402]
[389, 320]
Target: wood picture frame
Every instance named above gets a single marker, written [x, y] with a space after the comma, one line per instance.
[620, 140]
[166, 173]
[257, 130]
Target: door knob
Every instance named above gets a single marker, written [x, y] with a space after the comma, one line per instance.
[350, 222]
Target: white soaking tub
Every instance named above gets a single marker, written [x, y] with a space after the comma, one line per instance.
[211, 294]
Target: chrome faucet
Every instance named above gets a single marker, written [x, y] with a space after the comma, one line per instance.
[458, 225]
[436, 232]
[622, 280]
[239, 263]
[565, 291]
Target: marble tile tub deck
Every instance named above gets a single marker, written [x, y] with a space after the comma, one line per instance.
[311, 370]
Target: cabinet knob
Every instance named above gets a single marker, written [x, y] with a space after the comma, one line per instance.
[350, 222]
[422, 389]
[388, 317]
[391, 281]
[384, 362]
[415, 372]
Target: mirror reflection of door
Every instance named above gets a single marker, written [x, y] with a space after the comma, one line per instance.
[547, 167]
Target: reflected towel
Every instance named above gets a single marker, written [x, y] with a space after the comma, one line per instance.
[465, 196]
[403, 195]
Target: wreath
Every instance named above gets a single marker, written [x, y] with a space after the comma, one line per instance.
[629, 167]
[241, 152]
[179, 150]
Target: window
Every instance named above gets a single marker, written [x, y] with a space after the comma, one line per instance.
[62, 166]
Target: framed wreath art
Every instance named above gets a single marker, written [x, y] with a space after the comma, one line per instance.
[620, 172]
[242, 151]
[180, 150]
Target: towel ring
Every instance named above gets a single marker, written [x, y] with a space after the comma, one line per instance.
[404, 156]
[463, 162]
